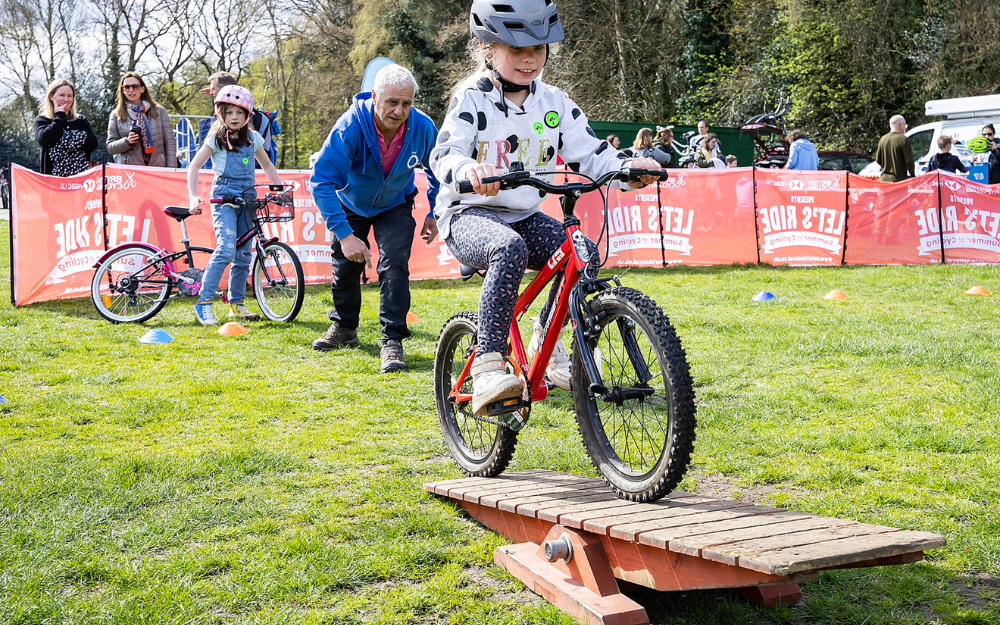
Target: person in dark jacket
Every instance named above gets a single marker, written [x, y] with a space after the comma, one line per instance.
[944, 159]
[66, 138]
[989, 133]
[894, 152]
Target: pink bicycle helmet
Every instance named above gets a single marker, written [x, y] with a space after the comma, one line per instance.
[235, 94]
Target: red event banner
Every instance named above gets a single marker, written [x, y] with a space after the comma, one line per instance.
[893, 222]
[695, 218]
[801, 216]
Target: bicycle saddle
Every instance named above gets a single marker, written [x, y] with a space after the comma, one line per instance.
[179, 213]
[466, 271]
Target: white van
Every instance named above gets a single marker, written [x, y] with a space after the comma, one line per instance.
[964, 119]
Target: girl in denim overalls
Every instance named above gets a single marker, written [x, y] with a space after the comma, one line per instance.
[232, 146]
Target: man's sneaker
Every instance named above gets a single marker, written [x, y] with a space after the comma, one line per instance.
[336, 337]
[558, 371]
[491, 382]
[239, 311]
[206, 316]
[392, 356]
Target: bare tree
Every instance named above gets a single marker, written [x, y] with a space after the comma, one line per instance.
[226, 31]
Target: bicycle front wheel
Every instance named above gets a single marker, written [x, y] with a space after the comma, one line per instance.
[640, 432]
[278, 283]
[130, 285]
[480, 446]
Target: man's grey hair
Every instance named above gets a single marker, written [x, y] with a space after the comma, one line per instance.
[222, 79]
[393, 75]
[896, 120]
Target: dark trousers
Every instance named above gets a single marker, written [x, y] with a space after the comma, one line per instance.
[394, 237]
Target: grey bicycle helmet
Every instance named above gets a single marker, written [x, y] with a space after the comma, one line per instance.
[517, 23]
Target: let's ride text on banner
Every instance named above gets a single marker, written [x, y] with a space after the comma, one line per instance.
[801, 216]
[893, 222]
[970, 216]
[693, 218]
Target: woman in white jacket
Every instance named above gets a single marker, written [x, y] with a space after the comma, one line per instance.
[504, 113]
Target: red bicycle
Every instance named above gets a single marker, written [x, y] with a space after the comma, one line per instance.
[631, 387]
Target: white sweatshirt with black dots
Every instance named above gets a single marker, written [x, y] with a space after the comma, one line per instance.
[478, 129]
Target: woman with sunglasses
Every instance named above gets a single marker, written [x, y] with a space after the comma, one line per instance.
[139, 131]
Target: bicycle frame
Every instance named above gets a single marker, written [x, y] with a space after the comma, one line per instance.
[569, 260]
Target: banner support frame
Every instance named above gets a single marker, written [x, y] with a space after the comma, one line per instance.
[940, 218]
[847, 216]
[104, 201]
[659, 216]
[8, 171]
[756, 212]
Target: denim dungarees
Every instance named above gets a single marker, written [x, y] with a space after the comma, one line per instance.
[229, 222]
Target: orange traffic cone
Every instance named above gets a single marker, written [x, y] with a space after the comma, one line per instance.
[977, 290]
[232, 329]
[411, 318]
[835, 294]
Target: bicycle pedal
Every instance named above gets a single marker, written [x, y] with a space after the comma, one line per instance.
[503, 406]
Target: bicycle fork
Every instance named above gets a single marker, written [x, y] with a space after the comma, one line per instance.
[587, 326]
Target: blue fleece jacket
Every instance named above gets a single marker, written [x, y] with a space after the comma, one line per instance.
[348, 172]
[802, 155]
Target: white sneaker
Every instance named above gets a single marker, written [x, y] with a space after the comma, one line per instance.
[558, 371]
[491, 382]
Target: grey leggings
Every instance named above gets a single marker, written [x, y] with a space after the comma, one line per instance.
[482, 240]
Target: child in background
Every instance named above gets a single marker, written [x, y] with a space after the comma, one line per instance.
[232, 146]
[731, 162]
[944, 159]
[501, 113]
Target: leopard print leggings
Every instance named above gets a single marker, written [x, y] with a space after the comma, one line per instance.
[482, 240]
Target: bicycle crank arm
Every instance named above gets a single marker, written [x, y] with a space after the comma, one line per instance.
[184, 279]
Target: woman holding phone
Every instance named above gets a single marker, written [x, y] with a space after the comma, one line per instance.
[139, 130]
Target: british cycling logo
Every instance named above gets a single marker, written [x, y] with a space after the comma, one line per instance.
[674, 182]
[112, 183]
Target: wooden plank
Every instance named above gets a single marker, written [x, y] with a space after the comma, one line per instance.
[474, 493]
[511, 503]
[682, 516]
[740, 528]
[749, 545]
[839, 552]
[555, 514]
[601, 525]
[533, 509]
[533, 490]
[688, 525]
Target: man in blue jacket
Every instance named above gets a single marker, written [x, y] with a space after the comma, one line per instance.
[363, 181]
[801, 152]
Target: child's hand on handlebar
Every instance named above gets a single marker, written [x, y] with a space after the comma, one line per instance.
[644, 163]
[484, 170]
[195, 203]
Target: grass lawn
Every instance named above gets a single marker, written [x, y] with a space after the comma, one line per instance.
[254, 480]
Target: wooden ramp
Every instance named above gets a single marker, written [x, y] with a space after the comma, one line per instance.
[682, 542]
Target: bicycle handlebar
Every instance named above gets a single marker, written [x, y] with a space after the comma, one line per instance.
[515, 179]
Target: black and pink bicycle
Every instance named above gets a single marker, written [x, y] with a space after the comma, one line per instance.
[133, 281]
[631, 386]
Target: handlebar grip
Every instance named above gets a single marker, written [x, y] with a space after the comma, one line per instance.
[660, 174]
[464, 186]
[225, 199]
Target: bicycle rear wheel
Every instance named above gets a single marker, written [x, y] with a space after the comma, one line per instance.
[130, 286]
[480, 446]
[640, 433]
[278, 284]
